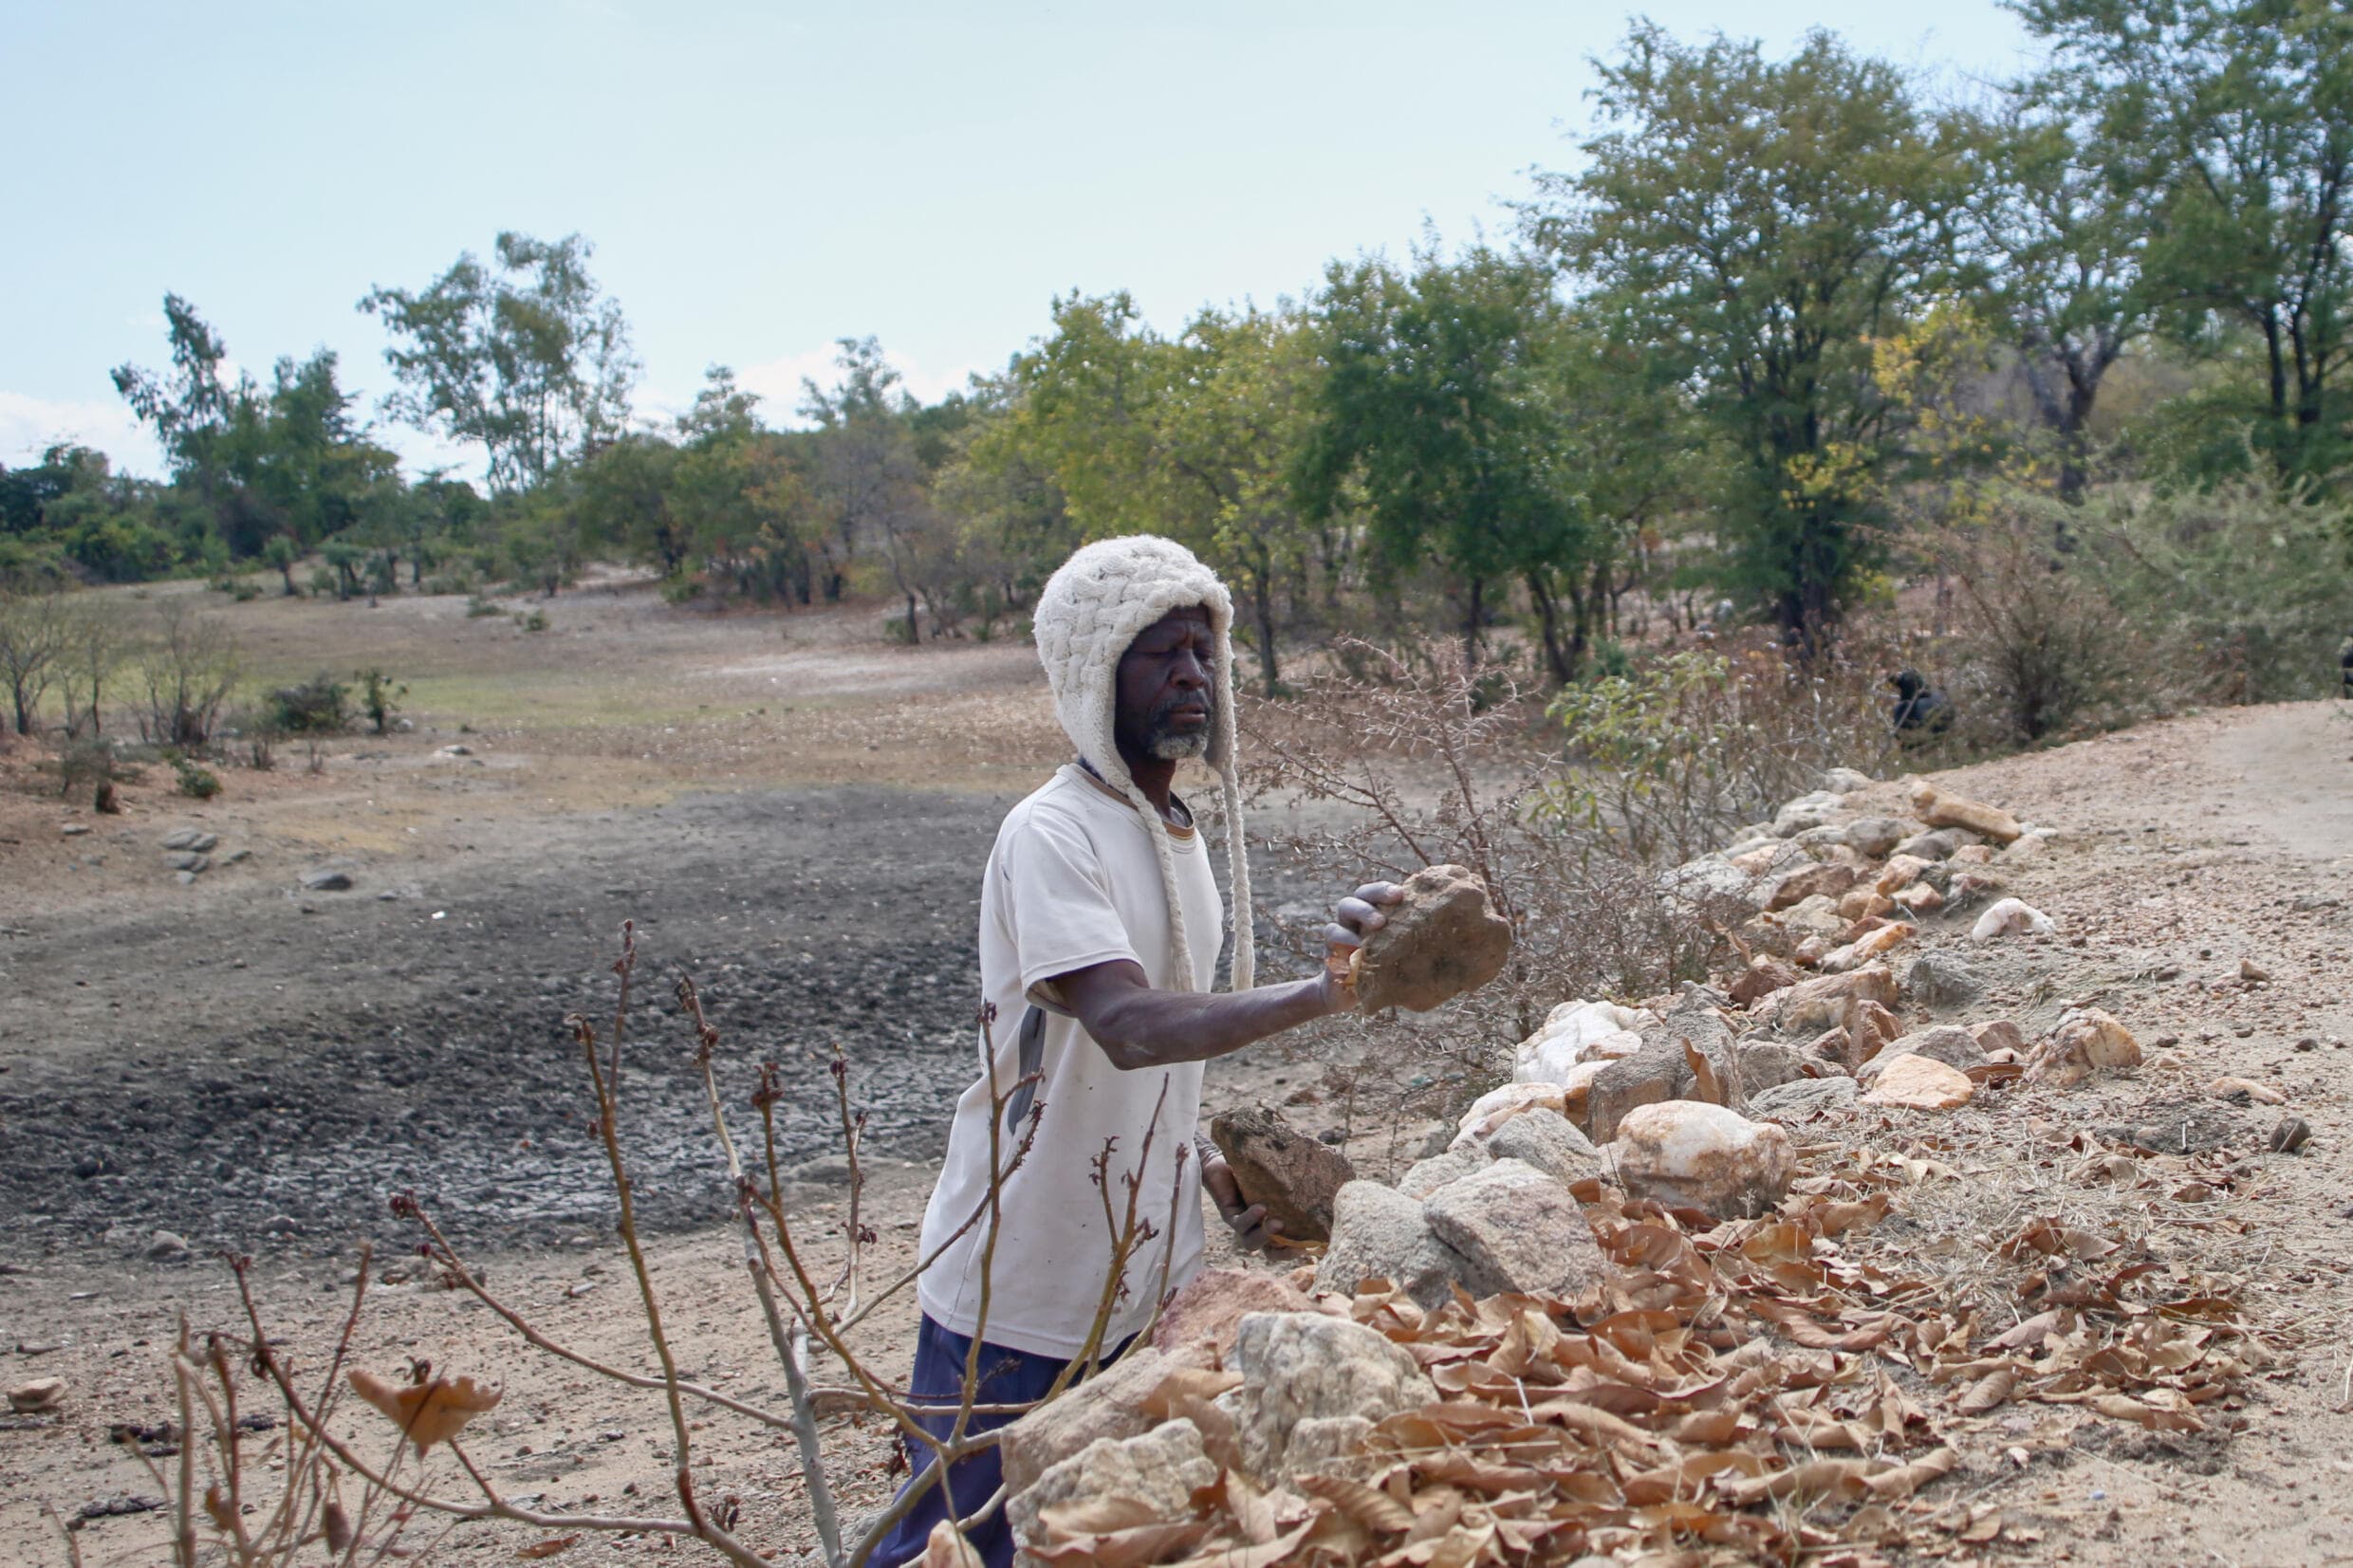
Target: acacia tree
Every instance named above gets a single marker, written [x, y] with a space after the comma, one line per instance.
[867, 478]
[1434, 417]
[2238, 115]
[526, 358]
[1758, 225]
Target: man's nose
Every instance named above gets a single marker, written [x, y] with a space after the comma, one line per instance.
[1189, 671]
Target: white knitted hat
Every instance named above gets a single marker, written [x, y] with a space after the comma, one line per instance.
[1092, 608]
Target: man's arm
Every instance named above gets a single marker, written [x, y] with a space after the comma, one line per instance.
[1138, 1027]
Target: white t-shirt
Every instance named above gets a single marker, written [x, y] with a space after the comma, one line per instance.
[1072, 882]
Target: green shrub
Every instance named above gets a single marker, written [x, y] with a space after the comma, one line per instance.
[195, 781]
[477, 606]
[680, 587]
[380, 697]
[321, 705]
[536, 621]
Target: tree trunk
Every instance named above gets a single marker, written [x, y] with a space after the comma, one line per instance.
[1474, 605]
[1548, 614]
[1262, 595]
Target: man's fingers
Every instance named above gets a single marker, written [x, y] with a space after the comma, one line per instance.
[1360, 916]
[1337, 936]
[1380, 892]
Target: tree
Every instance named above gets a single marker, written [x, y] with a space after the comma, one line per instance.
[34, 634]
[2238, 113]
[1432, 409]
[1757, 226]
[2059, 223]
[191, 409]
[280, 555]
[867, 479]
[525, 357]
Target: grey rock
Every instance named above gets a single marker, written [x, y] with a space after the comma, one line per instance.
[1549, 1141]
[74, 830]
[1521, 1231]
[1875, 837]
[1159, 1468]
[326, 880]
[1428, 1175]
[1941, 980]
[1813, 809]
[167, 1246]
[1845, 781]
[1108, 1404]
[1300, 1367]
[190, 837]
[1647, 1077]
[1767, 1063]
[1707, 885]
[185, 878]
[1954, 1046]
[1379, 1233]
[236, 856]
[1933, 845]
[187, 860]
[1803, 1099]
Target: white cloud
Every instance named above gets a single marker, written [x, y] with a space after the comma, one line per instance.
[31, 425]
[778, 381]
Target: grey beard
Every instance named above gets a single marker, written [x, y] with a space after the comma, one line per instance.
[1169, 747]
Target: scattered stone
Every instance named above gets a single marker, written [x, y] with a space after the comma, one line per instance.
[1945, 1042]
[1211, 1305]
[1763, 977]
[185, 878]
[1921, 1083]
[1379, 1233]
[324, 880]
[189, 839]
[1938, 809]
[1941, 980]
[1761, 1064]
[1999, 1034]
[1152, 1474]
[167, 1246]
[41, 1393]
[1649, 1076]
[1809, 810]
[2087, 1040]
[1845, 781]
[1818, 1003]
[1295, 1176]
[1309, 1382]
[75, 830]
[1703, 886]
[1521, 1232]
[2010, 916]
[1561, 1042]
[187, 860]
[1444, 939]
[1687, 1154]
[1863, 904]
[1863, 948]
[280, 1224]
[1111, 1404]
[1427, 1176]
[117, 1506]
[1772, 855]
[1900, 871]
[1497, 1106]
[1804, 1098]
[1548, 1141]
[2288, 1135]
[456, 750]
[2241, 1090]
[1818, 915]
[1919, 899]
[1931, 845]
[236, 856]
[2253, 972]
[1825, 879]
[1971, 855]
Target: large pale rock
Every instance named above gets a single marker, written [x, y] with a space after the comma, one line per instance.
[1862, 904]
[1708, 886]
[1934, 844]
[1999, 1034]
[2010, 917]
[1499, 1105]
[1820, 1003]
[1649, 1076]
[1901, 871]
[1938, 809]
[1768, 859]
[1845, 781]
[1549, 1143]
[1212, 1304]
[1111, 1404]
[2087, 1041]
[1294, 1176]
[1817, 915]
[1560, 1043]
[1443, 939]
[1827, 879]
[1152, 1474]
[1920, 1084]
[1686, 1155]
[1697, 1018]
[1946, 1042]
[1299, 1368]
[1427, 1176]
[1379, 1233]
[1809, 810]
[1521, 1231]
[1804, 1098]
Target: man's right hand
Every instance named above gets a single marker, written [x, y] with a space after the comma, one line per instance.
[1354, 918]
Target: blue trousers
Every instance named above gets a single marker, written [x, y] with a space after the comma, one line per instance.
[1006, 1377]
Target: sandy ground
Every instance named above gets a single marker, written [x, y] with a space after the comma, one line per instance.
[259, 1068]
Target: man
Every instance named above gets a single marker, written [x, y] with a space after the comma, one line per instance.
[1919, 707]
[1098, 938]
[2344, 667]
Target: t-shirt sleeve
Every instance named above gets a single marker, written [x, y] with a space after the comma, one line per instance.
[1059, 905]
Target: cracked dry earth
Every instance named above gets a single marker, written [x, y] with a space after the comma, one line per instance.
[2182, 851]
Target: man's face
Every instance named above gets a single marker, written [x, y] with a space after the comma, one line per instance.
[1167, 691]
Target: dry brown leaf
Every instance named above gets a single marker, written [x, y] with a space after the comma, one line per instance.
[1369, 1506]
[427, 1413]
[1988, 1392]
[943, 1548]
[971, 1559]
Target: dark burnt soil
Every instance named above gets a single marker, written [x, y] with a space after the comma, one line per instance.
[289, 1060]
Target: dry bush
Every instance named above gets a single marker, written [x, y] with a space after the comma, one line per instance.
[187, 671]
[321, 1481]
[2042, 651]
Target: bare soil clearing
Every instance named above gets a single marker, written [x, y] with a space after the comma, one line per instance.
[322, 1059]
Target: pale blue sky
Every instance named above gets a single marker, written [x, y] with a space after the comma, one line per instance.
[759, 181]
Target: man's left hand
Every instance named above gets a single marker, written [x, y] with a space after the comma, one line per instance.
[1252, 1230]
